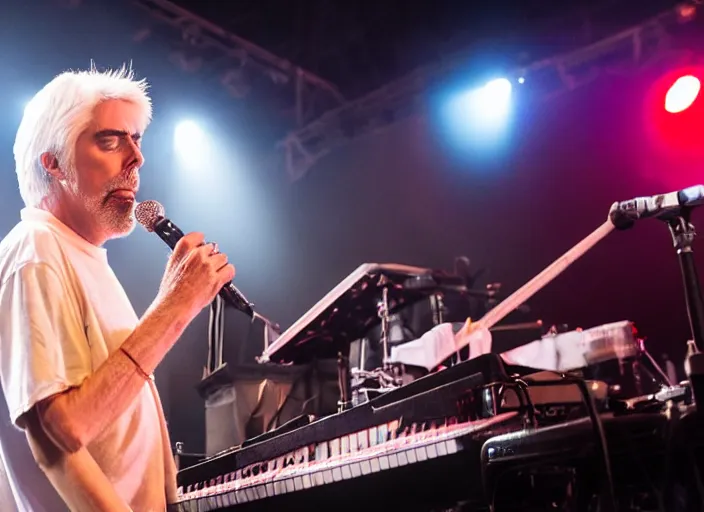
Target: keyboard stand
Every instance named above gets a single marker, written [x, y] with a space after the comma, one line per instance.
[344, 380]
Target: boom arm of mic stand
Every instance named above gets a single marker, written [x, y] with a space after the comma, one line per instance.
[536, 284]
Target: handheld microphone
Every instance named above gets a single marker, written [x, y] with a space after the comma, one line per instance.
[151, 215]
[663, 206]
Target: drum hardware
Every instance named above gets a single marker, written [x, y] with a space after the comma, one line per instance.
[370, 295]
[382, 311]
[389, 375]
[522, 326]
[492, 292]
[366, 383]
[385, 380]
[437, 306]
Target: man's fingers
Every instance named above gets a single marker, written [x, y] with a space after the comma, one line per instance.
[218, 261]
[187, 243]
[227, 273]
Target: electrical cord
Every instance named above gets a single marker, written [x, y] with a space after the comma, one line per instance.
[220, 332]
[216, 335]
[212, 338]
[698, 481]
[601, 439]
[669, 447]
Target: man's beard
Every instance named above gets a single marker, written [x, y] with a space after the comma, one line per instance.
[113, 217]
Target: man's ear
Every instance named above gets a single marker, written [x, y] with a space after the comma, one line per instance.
[51, 164]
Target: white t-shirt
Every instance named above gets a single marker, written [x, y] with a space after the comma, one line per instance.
[62, 312]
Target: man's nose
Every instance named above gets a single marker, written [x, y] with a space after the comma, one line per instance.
[140, 158]
[137, 156]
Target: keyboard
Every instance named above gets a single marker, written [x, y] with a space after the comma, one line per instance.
[362, 454]
[420, 425]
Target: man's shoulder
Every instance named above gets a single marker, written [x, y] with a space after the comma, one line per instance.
[29, 242]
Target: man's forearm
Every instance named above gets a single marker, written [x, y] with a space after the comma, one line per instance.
[90, 488]
[74, 418]
[80, 481]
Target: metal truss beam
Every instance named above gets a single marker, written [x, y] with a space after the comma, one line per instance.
[308, 92]
[401, 99]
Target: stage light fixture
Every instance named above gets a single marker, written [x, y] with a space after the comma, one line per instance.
[674, 113]
[682, 94]
[190, 144]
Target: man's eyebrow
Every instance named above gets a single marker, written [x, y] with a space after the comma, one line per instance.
[117, 133]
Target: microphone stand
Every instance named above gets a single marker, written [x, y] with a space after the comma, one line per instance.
[683, 234]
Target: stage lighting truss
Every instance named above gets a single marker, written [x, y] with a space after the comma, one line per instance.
[310, 95]
[627, 50]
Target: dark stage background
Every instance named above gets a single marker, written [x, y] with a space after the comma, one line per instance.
[401, 196]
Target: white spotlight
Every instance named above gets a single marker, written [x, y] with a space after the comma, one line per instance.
[496, 95]
[187, 131]
[190, 143]
[682, 94]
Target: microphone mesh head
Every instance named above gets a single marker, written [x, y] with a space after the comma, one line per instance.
[148, 213]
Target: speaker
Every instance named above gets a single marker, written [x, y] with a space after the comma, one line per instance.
[245, 401]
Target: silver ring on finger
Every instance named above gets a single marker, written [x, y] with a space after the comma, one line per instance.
[215, 248]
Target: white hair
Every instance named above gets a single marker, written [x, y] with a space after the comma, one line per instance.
[58, 114]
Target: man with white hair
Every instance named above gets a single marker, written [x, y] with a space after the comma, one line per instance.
[75, 360]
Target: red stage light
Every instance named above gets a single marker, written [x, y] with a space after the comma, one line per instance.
[682, 94]
[674, 113]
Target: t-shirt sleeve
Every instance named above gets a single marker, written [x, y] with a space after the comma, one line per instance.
[43, 345]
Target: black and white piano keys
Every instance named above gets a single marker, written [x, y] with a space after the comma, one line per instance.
[377, 449]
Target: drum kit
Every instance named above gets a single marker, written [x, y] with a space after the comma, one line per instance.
[391, 355]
